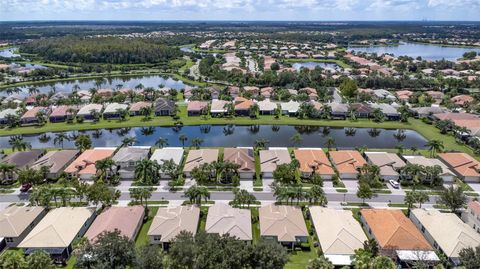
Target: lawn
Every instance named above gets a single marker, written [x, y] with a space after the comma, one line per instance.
[142, 237]
[255, 225]
[299, 258]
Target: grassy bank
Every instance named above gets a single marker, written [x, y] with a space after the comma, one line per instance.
[337, 62]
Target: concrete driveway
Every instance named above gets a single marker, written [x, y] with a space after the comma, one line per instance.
[351, 185]
[475, 186]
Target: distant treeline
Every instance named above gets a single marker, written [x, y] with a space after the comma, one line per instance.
[109, 50]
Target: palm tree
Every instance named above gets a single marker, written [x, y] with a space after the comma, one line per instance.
[83, 142]
[316, 195]
[161, 142]
[183, 138]
[128, 141]
[146, 111]
[261, 144]
[196, 142]
[33, 90]
[6, 170]
[60, 138]
[435, 146]
[197, 193]
[142, 194]
[104, 167]
[147, 172]
[296, 139]
[18, 143]
[330, 143]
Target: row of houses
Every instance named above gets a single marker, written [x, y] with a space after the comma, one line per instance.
[407, 239]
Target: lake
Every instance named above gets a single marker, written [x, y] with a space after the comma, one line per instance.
[9, 53]
[244, 136]
[426, 51]
[312, 65]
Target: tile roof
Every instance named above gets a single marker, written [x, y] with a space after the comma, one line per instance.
[224, 219]
[198, 157]
[85, 163]
[196, 105]
[243, 103]
[113, 107]
[114, 218]
[388, 163]
[14, 220]
[32, 113]
[347, 161]
[22, 158]
[271, 158]
[241, 156]
[421, 160]
[284, 222]
[313, 159]
[56, 160]
[169, 222]
[85, 110]
[135, 107]
[161, 155]
[464, 164]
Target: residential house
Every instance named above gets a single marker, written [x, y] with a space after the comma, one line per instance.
[165, 154]
[266, 92]
[362, 110]
[198, 157]
[244, 158]
[136, 108]
[267, 107]
[21, 160]
[4, 114]
[57, 231]
[242, 106]
[218, 108]
[427, 112]
[347, 163]
[388, 111]
[127, 158]
[164, 107]
[271, 158]
[86, 112]
[84, 165]
[233, 91]
[338, 232]
[436, 96]
[252, 90]
[283, 224]
[462, 100]
[290, 108]
[113, 110]
[56, 161]
[311, 92]
[447, 175]
[404, 95]
[471, 216]
[18, 221]
[464, 165]
[339, 110]
[197, 108]
[126, 220]
[445, 232]
[314, 161]
[169, 222]
[389, 164]
[62, 113]
[224, 219]
[382, 94]
[30, 117]
[396, 235]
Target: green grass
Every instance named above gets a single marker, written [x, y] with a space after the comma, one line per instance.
[203, 219]
[356, 204]
[255, 225]
[337, 62]
[398, 205]
[299, 258]
[142, 237]
[257, 189]
[71, 262]
[341, 190]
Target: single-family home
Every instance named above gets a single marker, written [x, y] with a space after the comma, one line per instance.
[113, 110]
[252, 90]
[436, 96]
[198, 157]
[164, 107]
[30, 117]
[338, 232]
[389, 164]
[166, 154]
[339, 110]
[87, 111]
[197, 108]
[233, 91]
[218, 108]
[83, 166]
[283, 224]
[314, 160]
[18, 221]
[136, 108]
[464, 165]
[396, 235]
[169, 222]
[447, 175]
[266, 92]
[462, 100]
[382, 94]
[21, 160]
[471, 216]
[244, 158]
[271, 158]
[62, 113]
[290, 108]
[4, 114]
[404, 95]
[347, 163]
[388, 110]
[361, 110]
[242, 106]
[127, 158]
[224, 219]
[445, 232]
[266, 107]
[57, 231]
[126, 220]
[427, 112]
[56, 161]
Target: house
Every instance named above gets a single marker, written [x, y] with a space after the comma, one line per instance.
[165, 154]
[169, 222]
[283, 224]
[86, 112]
[266, 92]
[291, 108]
[396, 235]
[339, 110]
[224, 219]
[242, 106]
[388, 110]
[314, 161]
[462, 100]
[464, 165]
[164, 107]
[57, 231]
[84, 165]
[244, 158]
[21, 160]
[389, 164]
[447, 175]
[382, 94]
[112, 111]
[404, 95]
[4, 114]
[61, 113]
[271, 158]
[266, 107]
[30, 117]
[127, 158]
[56, 161]
[427, 112]
[218, 108]
[105, 92]
[445, 232]
[347, 163]
[136, 108]
[455, 116]
[471, 216]
[115, 218]
[16, 222]
[197, 108]
[362, 110]
[254, 91]
[233, 91]
[339, 234]
[198, 157]
[436, 95]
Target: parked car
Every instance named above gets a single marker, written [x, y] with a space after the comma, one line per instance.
[394, 183]
[25, 187]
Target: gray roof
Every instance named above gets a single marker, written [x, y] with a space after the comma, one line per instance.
[56, 160]
[88, 108]
[22, 158]
[338, 107]
[385, 108]
[113, 107]
[131, 154]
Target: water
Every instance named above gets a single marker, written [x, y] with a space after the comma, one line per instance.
[426, 51]
[312, 65]
[9, 53]
[127, 82]
[245, 136]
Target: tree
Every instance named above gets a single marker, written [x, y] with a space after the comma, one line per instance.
[18, 143]
[196, 142]
[13, 260]
[40, 259]
[171, 169]
[183, 138]
[141, 194]
[31, 176]
[83, 142]
[348, 88]
[285, 174]
[260, 144]
[6, 171]
[161, 142]
[146, 111]
[296, 139]
[453, 197]
[268, 255]
[99, 193]
[320, 263]
[243, 197]
[382, 262]
[470, 257]
[435, 146]
[147, 172]
[378, 115]
[149, 257]
[364, 191]
[330, 143]
[371, 246]
[196, 194]
[60, 138]
[105, 170]
[316, 195]
[128, 141]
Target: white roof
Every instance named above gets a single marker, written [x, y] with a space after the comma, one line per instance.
[266, 105]
[112, 108]
[421, 160]
[224, 219]
[385, 108]
[85, 110]
[9, 111]
[417, 255]
[161, 155]
[291, 106]
[169, 222]
[14, 220]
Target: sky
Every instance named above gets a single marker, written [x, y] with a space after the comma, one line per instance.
[291, 10]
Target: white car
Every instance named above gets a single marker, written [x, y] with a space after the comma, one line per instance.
[394, 184]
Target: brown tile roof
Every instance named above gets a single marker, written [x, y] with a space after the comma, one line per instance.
[196, 105]
[347, 161]
[455, 116]
[85, 163]
[33, 112]
[242, 103]
[313, 159]
[462, 163]
[392, 229]
[462, 99]
[284, 222]
[139, 105]
[240, 156]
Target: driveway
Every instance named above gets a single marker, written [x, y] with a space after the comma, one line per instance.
[351, 185]
[475, 186]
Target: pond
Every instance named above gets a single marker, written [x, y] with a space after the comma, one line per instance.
[9, 53]
[245, 136]
[426, 51]
[312, 65]
[114, 82]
